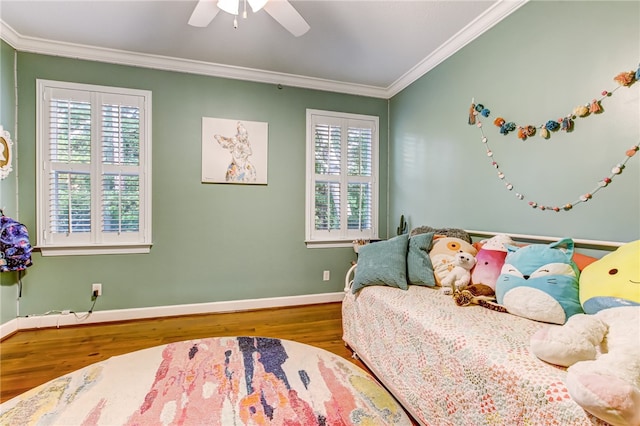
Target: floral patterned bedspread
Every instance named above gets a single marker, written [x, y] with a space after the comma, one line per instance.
[451, 365]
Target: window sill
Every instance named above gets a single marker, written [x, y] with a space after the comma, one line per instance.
[333, 243]
[328, 244]
[94, 250]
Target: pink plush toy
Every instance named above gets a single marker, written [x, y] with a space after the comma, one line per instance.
[490, 259]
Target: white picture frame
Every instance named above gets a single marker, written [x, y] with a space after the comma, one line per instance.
[6, 153]
[234, 151]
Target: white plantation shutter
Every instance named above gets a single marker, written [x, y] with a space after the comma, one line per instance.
[120, 159]
[69, 159]
[359, 177]
[328, 153]
[341, 176]
[94, 186]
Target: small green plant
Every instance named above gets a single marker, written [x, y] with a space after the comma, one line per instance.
[403, 226]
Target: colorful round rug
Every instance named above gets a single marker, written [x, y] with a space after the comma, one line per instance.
[217, 381]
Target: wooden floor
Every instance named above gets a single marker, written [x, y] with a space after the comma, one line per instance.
[30, 358]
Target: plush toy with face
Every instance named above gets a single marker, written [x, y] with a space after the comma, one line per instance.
[442, 254]
[540, 282]
[602, 352]
[613, 280]
[460, 275]
[490, 260]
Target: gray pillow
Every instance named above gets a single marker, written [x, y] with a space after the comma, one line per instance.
[448, 232]
[419, 267]
[382, 263]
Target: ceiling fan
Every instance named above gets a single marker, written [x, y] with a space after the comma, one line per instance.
[280, 10]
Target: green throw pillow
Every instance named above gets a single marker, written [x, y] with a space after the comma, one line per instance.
[419, 265]
[382, 263]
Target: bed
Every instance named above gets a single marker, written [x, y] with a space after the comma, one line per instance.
[453, 365]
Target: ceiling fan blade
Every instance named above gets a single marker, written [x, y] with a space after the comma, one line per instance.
[283, 12]
[204, 13]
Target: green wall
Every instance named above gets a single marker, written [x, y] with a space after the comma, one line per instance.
[537, 64]
[211, 242]
[231, 242]
[8, 185]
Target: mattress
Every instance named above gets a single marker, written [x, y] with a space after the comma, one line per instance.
[452, 365]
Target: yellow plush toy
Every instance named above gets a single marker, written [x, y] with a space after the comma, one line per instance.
[601, 348]
[613, 280]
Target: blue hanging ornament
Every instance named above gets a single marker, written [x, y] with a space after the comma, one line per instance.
[552, 125]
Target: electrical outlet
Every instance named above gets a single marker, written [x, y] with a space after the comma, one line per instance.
[96, 289]
[326, 275]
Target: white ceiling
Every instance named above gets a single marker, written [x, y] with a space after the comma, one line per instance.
[368, 47]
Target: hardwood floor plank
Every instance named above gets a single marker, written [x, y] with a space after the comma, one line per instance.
[33, 357]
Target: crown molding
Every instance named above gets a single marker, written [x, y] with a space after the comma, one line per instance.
[496, 13]
[122, 57]
[500, 10]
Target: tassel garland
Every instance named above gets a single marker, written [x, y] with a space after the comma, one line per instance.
[472, 113]
[566, 123]
[624, 79]
[595, 107]
[616, 170]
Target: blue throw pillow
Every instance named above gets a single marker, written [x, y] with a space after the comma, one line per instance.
[382, 263]
[419, 266]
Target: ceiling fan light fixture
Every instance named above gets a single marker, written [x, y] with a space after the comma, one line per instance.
[229, 6]
[256, 5]
[280, 10]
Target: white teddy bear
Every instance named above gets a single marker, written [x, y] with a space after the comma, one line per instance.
[602, 352]
[460, 275]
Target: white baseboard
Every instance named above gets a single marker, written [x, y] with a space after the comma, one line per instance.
[8, 328]
[58, 320]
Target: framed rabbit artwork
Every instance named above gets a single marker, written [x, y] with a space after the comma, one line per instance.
[234, 151]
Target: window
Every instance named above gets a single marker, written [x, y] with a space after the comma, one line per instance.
[342, 175]
[94, 169]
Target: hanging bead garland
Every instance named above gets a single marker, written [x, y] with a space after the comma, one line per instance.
[566, 123]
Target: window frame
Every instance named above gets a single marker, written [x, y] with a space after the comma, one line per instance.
[96, 241]
[342, 237]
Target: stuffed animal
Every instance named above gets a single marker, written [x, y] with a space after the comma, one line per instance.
[490, 259]
[613, 280]
[473, 294]
[602, 352]
[442, 254]
[460, 275]
[540, 282]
